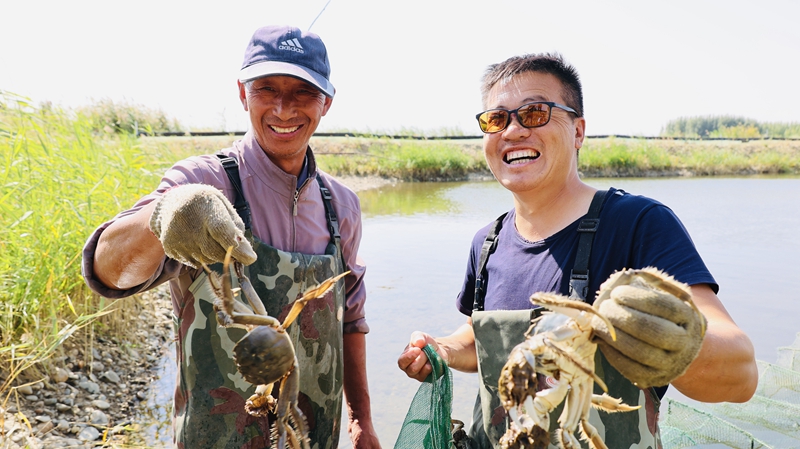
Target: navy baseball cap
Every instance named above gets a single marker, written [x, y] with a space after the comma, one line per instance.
[283, 50]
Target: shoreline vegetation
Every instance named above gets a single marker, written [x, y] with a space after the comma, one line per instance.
[64, 174]
[462, 159]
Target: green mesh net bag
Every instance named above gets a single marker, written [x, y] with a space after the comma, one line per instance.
[427, 423]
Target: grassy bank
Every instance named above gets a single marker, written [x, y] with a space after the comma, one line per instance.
[641, 157]
[606, 157]
[61, 178]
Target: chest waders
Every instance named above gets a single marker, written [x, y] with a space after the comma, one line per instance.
[498, 332]
[209, 401]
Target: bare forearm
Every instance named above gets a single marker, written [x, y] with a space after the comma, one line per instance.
[356, 392]
[127, 252]
[458, 349]
[725, 369]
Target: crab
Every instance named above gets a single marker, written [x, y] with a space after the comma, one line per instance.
[265, 355]
[562, 349]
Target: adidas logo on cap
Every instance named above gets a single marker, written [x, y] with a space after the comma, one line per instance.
[291, 44]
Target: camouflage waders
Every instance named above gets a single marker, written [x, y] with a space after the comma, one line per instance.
[210, 396]
[496, 334]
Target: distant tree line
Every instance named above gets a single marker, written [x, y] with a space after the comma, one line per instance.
[729, 127]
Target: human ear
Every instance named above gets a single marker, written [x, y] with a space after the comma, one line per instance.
[327, 104]
[242, 95]
[580, 132]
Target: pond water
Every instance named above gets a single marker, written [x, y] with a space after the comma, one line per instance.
[416, 243]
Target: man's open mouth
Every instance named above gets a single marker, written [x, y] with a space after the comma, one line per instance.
[520, 156]
[281, 130]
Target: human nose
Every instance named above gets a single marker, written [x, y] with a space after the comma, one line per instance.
[515, 130]
[284, 107]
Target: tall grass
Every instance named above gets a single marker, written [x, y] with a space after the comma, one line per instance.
[410, 160]
[641, 157]
[402, 131]
[59, 180]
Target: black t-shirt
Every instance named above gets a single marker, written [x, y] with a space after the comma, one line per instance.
[634, 232]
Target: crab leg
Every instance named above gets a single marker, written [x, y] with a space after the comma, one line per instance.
[233, 311]
[566, 355]
[287, 404]
[572, 415]
[248, 290]
[314, 292]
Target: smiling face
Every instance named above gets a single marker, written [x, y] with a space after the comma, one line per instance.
[527, 159]
[284, 112]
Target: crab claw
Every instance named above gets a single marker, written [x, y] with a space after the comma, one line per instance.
[314, 292]
[262, 402]
[221, 285]
[571, 308]
[517, 379]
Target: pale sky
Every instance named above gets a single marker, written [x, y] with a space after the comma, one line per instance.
[414, 64]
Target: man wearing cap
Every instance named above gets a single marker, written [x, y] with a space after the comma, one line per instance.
[292, 225]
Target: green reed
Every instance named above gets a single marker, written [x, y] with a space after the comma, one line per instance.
[59, 182]
[406, 159]
[643, 157]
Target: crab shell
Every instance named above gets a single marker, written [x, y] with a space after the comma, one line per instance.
[264, 355]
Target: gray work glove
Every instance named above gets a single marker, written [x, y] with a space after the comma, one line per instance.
[659, 329]
[196, 224]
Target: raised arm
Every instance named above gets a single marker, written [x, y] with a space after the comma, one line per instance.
[725, 369]
[128, 252]
[192, 223]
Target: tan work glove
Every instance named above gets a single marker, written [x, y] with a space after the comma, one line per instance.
[659, 329]
[196, 224]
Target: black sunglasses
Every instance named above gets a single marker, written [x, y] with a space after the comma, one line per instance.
[529, 115]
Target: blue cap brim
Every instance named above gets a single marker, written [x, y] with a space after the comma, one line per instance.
[267, 68]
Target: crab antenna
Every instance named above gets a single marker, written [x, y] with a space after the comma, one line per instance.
[314, 292]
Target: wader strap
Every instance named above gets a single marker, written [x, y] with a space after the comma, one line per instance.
[240, 204]
[231, 166]
[579, 276]
[489, 245]
[330, 214]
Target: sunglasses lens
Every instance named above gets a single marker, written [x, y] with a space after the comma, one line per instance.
[493, 121]
[534, 115]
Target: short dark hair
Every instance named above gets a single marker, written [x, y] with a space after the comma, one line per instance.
[551, 63]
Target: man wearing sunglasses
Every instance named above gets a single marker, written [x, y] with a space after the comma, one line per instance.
[564, 236]
[291, 224]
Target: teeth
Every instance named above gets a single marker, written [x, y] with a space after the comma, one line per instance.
[520, 156]
[280, 130]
